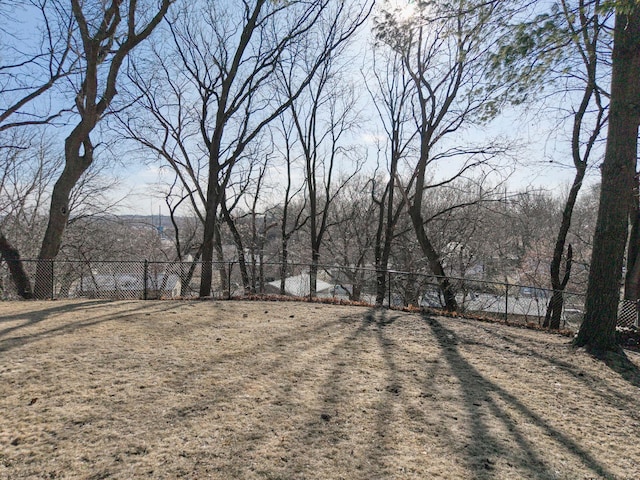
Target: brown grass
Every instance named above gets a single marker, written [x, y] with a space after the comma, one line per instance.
[264, 390]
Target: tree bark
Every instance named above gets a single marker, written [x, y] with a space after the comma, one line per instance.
[447, 290]
[587, 45]
[242, 261]
[597, 332]
[75, 166]
[554, 309]
[10, 255]
[94, 97]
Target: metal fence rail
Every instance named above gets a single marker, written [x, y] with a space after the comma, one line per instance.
[166, 280]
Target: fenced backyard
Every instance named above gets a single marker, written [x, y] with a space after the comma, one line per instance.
[146, 280]
[95, 388]
[104, 383]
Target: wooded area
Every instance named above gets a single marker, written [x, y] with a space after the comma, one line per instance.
[345, 132]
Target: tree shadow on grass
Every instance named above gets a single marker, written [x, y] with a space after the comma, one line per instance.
[473, 386]
[33, 317]
[37, 317]
[260, 403]
[618, 362]
[623, 366]
[369, 457]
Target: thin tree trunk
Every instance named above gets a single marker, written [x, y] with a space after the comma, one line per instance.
[589, 47]
[283, 266]
[242, 261]
[554, 309]
[225, 285]
[447, 290]
[313, 273]
[632, 279]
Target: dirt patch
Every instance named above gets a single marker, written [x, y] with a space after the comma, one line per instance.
[263, 390]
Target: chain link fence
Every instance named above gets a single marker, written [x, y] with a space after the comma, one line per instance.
[173, 280]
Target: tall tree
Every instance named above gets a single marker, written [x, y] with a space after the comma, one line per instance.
[30, 67]
[446, 50]
[597, 332]
[562, 52]
[219, 74]
[27, 165]
[351, 239]
[293, 216]
[585, 34]
[392, 95]
[323, 116]
[107, 33]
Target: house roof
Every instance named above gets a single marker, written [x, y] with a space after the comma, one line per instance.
[128, 282]
[298, 285]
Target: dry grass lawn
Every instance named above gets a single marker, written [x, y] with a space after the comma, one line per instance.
[258, 390]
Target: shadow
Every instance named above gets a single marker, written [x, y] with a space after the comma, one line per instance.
[316, 359]
[37, 317]
[340, 361]
[619, 363]
[623, 366]
[475, 386]
[34, 317]
[336, 396]
[359, 388]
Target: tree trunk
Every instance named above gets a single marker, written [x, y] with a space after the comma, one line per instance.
[447, 290]
[211, 234]
[10, 255]
[554, 309]
[242, 262]
[385, 233]
[283, 266]
[75, 166]
[597, 332]
[381, 260]
[185, 280]
[207, 249]
[313, 273]
[225, 284]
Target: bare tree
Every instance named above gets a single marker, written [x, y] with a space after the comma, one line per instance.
[585, 35]
[27, 165]
[28, 72]
[323, 115]
[445, 50]
[293, 214]
[392, 97]
[33, 61]
[563, 50]
[105, 41]
[220, 76]
[351, 238]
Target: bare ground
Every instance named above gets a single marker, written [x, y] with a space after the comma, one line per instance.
[259, 390]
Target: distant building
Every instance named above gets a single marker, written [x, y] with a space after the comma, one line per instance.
[127, 285]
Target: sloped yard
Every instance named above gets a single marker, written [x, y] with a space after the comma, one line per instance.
[265, 390]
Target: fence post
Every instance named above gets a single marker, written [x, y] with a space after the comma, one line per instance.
[229, 280]
[389, 286]
[145, 273]
[53, 287]
[506, 302]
